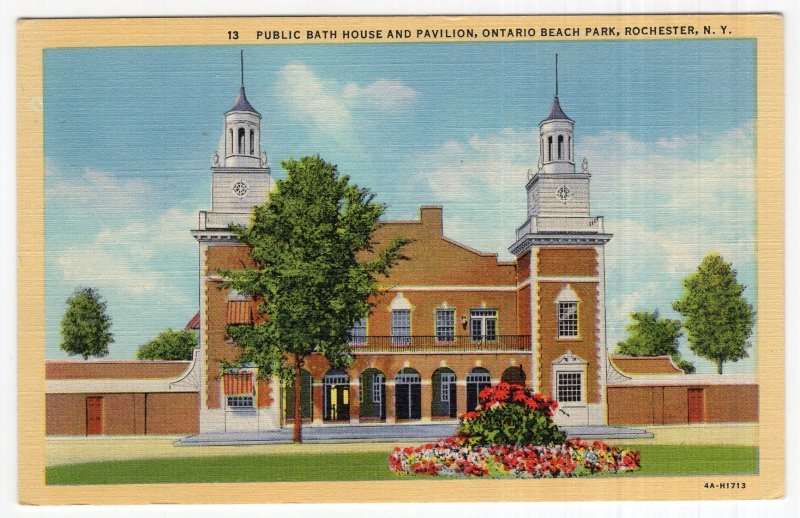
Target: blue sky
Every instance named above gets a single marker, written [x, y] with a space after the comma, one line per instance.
[667, 128]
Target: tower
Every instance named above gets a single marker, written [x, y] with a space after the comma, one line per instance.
[560, 257]
[231, 399]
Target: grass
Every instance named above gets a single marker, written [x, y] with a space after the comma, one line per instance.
[655, 459]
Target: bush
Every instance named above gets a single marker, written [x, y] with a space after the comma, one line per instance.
[510, 414]
[453, 457]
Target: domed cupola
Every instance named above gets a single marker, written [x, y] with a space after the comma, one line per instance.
[555, 139]
[242, 137]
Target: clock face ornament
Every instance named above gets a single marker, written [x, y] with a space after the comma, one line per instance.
[563, 193]
[240, 188]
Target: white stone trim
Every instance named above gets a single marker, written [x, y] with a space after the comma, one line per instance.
[568, 279]
[114, 385]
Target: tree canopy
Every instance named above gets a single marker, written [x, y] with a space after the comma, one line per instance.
[651, 335]
[315, 269]
[85, 326]
[718, 319]
[169, 345]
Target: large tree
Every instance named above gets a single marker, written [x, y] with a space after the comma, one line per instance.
[651, 335]
[717, 317]
[315, 270]
[169, 345]
[85, 327]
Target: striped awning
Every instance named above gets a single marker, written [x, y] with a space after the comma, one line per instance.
[238, 383]
[240, 312]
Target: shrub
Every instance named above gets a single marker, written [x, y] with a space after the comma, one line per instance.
[510, 414]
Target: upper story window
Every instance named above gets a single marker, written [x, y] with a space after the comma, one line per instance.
[483, 324]
[401, 326]
[358, 333]
[560, 147]
[549, 149]
[445, 325]
[252, 142]
[231, 140]
[568, 319]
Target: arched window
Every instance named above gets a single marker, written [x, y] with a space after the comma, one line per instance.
[443, 400]
[477, 379]
[569, 148]
[336, 396]
[241, 141]
[408, 394]
[252, 142]
[231, 147]
[560, 147]
[372, 394]
[549, 149]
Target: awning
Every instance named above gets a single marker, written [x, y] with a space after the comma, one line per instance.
[240, 312]
[237, 383]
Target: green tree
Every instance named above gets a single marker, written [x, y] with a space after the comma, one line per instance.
[717, 317]
[315, 270]
[85, 327]
[169, 345]
[650, 335]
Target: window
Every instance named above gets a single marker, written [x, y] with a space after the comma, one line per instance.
[549, 149]
[447, 379]
[569, 387]
[358, 333]
[483, 324]
[241, 141]
[252, 142]
[401, 327]
[377, 387]
[569, 148]
[240, 401]
[560, 146]
[445, 324]
[231, 131]
[567, 319]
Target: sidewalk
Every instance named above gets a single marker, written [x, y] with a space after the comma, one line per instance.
[383, 433]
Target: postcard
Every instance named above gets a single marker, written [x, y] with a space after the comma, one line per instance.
[374, 259]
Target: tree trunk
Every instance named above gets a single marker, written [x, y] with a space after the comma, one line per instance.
[719, 366]
[297, 436]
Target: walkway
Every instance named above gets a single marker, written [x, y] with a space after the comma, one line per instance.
[382, 433]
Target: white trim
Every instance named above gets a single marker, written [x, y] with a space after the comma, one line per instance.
[510, 287]
[568, 279]
[113, 385]
[688, 380]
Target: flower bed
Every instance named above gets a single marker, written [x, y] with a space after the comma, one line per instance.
[454, 457]
[512, 434]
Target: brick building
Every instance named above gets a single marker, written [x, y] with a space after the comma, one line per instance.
[447, 323]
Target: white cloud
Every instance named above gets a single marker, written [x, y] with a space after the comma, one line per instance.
[328, 106]
[98, 189]
[383, 94]
[136, 259]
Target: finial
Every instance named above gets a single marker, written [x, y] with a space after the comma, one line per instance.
[241, 56]
[556, 75]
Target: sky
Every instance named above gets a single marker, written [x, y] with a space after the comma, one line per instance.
[667, 128]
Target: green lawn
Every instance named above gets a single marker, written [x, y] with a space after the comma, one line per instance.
[655, 460]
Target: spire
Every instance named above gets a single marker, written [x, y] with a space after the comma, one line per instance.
[556, 113]
[241, 56]
[242, 104]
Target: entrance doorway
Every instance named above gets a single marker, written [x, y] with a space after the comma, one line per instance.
[696, 405]
[443, 393]
[477, 379]
[94, 416]
[373, 395]
[408, 394]
[336, 395]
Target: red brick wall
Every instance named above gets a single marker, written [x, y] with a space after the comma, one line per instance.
[567, 261]
[644, 405]
[124, 413]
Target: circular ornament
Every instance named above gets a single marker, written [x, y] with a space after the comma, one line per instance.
[563, 193]
[240, 188]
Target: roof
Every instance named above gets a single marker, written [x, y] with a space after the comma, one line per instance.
[644, 365]
[113, 369]
[242, 104]
[194, 322]
[556, 113]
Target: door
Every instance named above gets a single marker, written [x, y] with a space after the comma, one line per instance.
[408, 395]
[477, 380]
[94, 416]
[483, 325]
[696, 406]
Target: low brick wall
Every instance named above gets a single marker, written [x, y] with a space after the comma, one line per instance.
[669, 404]
[125, 413]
